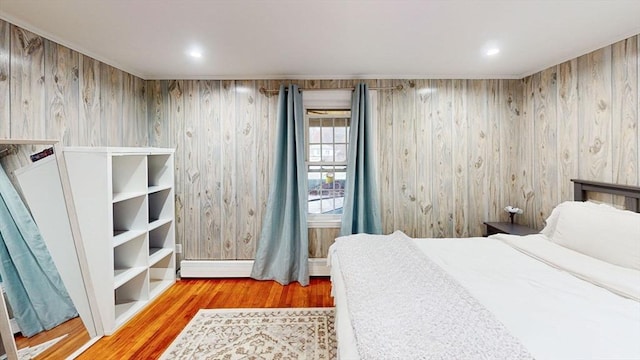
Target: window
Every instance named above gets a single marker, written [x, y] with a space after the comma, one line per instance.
[327, 141]
[327, 118]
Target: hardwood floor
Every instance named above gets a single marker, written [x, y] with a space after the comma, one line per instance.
[148, 334]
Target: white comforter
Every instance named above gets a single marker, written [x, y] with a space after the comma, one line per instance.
[552, 313]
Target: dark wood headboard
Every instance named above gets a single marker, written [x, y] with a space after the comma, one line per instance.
[631, 193]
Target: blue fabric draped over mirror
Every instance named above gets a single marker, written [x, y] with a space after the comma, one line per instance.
[361, 212]
[282, 252]
[34, 289]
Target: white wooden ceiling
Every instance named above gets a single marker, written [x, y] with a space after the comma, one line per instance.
[328, 39]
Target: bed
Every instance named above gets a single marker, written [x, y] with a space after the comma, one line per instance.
[570, 292]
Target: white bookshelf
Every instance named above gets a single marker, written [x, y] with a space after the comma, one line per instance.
[124, 200]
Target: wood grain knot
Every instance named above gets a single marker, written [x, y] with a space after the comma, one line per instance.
[426, 208]
[175, 89]
[32, 45]
[602, 105]
[596, 147]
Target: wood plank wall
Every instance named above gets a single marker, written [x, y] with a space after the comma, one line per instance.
[452, 153]
[580, 120]
[443, 157]
[49, 91]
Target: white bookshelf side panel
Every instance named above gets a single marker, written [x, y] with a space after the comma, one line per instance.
[90, 181]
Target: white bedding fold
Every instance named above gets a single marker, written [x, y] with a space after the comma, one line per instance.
[617, 279]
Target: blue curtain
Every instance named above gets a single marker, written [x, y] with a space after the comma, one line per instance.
[361, 212]
[282, 252]
[33, 286]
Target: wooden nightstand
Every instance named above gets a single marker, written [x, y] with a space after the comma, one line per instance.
[508, 228]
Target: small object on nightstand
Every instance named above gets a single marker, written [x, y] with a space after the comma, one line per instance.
[508, 228]
[513, 211]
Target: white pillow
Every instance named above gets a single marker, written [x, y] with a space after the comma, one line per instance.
[598, 230]
[552, 220]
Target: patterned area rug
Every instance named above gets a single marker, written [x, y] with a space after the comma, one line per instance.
[265, 334]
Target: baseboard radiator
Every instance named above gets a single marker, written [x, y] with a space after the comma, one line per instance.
[237, 268]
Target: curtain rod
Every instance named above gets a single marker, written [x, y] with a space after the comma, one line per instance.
[275, 91]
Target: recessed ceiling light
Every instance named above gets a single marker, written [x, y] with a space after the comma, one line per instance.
[195, 53]
[493, 51]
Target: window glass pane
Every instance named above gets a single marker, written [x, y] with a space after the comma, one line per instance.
[327, 153]
[314, 135]
[314, 188]
[340, 152]
[326, 189]
[315, 153]
[340, 135]
[327, 133]
[340, 178]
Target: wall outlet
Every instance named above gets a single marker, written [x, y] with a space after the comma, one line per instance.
[178, 248]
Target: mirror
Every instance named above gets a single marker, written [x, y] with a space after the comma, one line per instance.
[43, 186]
